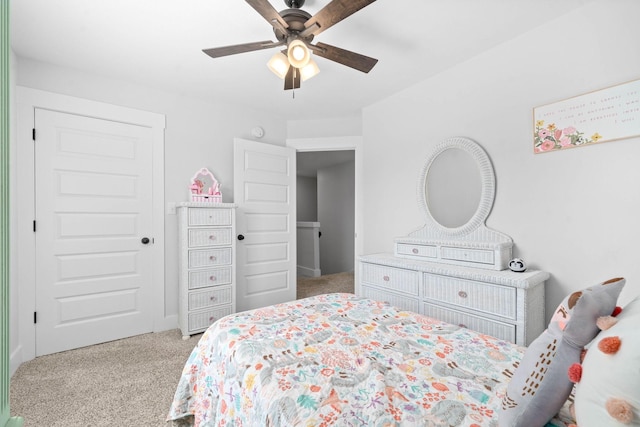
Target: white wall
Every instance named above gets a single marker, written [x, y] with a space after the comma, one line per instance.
[307, 198]
[336, 214]
[198, 133]
[334, 127]
[573, 213]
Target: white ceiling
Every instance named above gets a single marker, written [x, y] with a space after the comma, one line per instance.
[159, 43]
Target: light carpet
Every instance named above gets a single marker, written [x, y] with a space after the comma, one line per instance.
[129, 382]
[327, 284]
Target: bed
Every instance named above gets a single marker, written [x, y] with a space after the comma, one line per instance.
[339, 359]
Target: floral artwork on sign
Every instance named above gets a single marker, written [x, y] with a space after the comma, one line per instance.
[604, 115]
[548, 138]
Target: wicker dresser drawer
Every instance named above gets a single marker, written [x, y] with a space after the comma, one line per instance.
[501, 303]
[209, 277]
[397, 279]
[199, 237]
[485, 326]
[397, 300]
[479, 256]
[209, 298]
[478, 296]
[201, 320]
[419, 251]
[209, 257]
[206, 216]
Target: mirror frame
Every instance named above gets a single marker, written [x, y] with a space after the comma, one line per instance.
[201, 194]
[487, 194]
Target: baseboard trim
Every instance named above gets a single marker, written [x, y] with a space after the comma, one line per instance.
[308, 272]
[166, 323]
[15, 360]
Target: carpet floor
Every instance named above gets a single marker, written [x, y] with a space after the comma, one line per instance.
[129, 382]
[327, 284]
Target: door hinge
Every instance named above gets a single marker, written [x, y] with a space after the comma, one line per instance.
[33, 134]
[34, 225]
[35, 317]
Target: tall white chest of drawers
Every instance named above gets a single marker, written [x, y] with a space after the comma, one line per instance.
[207, 282]
[503, 304]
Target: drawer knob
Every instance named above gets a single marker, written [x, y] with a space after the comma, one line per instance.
[212, 258]
[212, 298]
[385, 278]
[414, 250]
[212, 237]
[211, 319]
[212, 278]
[462, 325]
[462, 294]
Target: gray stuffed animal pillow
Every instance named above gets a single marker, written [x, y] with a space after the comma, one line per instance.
[540, 385]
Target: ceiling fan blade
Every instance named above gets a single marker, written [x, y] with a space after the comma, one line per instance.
[344, 57]
[217, 52]
[292, 80]
[331, 14]
[268, 12]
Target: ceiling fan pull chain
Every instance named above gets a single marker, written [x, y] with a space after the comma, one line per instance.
[293, 83]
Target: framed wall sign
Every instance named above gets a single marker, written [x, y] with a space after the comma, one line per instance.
[604, 115]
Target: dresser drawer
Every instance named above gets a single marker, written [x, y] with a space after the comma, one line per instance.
[421, 251]
[210, 216]
[209, 257]
[199, 237]
[209, 277]
[499, 330]
[201, 320]
[478, 296]
[394, 278]
[209, 298]
[403, 302]
[479, 256]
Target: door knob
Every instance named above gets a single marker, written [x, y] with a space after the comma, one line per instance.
[145, 240]
[240, 237]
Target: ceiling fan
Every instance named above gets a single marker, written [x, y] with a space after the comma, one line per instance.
[295, 29]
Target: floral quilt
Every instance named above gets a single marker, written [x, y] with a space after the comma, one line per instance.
[342, 360]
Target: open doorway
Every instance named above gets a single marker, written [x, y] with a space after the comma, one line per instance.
[327, 214]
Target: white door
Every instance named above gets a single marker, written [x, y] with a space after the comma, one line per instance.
[93, 204]
[265, 192]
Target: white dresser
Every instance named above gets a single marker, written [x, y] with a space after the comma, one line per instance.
[454, 268]
[207, 285]
[502, 304]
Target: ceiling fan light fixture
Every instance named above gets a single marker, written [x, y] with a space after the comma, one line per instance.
[298, 53]
[279, 65]
[309, 70]
[296, 29]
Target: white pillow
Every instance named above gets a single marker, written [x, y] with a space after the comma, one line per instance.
[612, 376]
